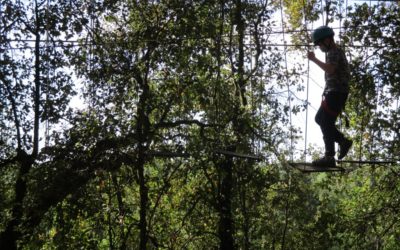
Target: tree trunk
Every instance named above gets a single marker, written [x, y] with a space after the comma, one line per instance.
[246, 223]
[225, 206]
[142, 132]
[226, 230]
[10, 236]
[240, 69]
[143, 208]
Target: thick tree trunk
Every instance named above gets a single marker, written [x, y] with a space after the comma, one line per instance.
[246, 219]
[10, 236]
[143, 208]
[142, 132]
[240, 69]
[225, 206]
[226, 230]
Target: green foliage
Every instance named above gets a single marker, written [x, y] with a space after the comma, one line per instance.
[167, 84]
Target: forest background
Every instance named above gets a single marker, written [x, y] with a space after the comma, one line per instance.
[188, 125]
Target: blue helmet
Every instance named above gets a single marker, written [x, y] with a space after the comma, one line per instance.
[321, 33]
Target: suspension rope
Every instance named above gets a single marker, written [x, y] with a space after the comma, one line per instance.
[217, 85]
[322, 12]
[287, 83]
[78, 43]
[47, 124]
[307, 84]
[363, 127]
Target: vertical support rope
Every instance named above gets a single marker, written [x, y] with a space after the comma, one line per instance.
[306, 127]
[287, 207]
[342, 114]
[396, 136]
[47, 125]
[217, 86]
[340, 22]
[377, 85]
[90, 87]
[308, 83]
[287, 83]
[1, 95]
[253, 109]
[322, 13]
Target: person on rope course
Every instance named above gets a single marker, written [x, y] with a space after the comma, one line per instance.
[336, 90]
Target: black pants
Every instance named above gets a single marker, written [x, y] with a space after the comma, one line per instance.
[332, 104]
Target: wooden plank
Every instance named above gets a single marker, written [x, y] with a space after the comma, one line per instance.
[309, 167]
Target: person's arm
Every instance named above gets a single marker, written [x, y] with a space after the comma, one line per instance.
[327, 67]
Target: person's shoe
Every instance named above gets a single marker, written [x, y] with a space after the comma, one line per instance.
[344, 148]
[326, 161]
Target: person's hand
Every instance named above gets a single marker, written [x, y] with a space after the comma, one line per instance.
[311, 55]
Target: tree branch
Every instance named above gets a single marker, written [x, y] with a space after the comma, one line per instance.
[14, 110]
[183, 122]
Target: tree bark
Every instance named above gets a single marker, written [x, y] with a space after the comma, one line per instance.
[226, 230]
[142, 132]
[246, 219]
[240, 70]
[225, 205]
[143, 206]
[10, 236]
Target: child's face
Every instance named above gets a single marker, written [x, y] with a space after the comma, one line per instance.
[323, 45]
[323, 48]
